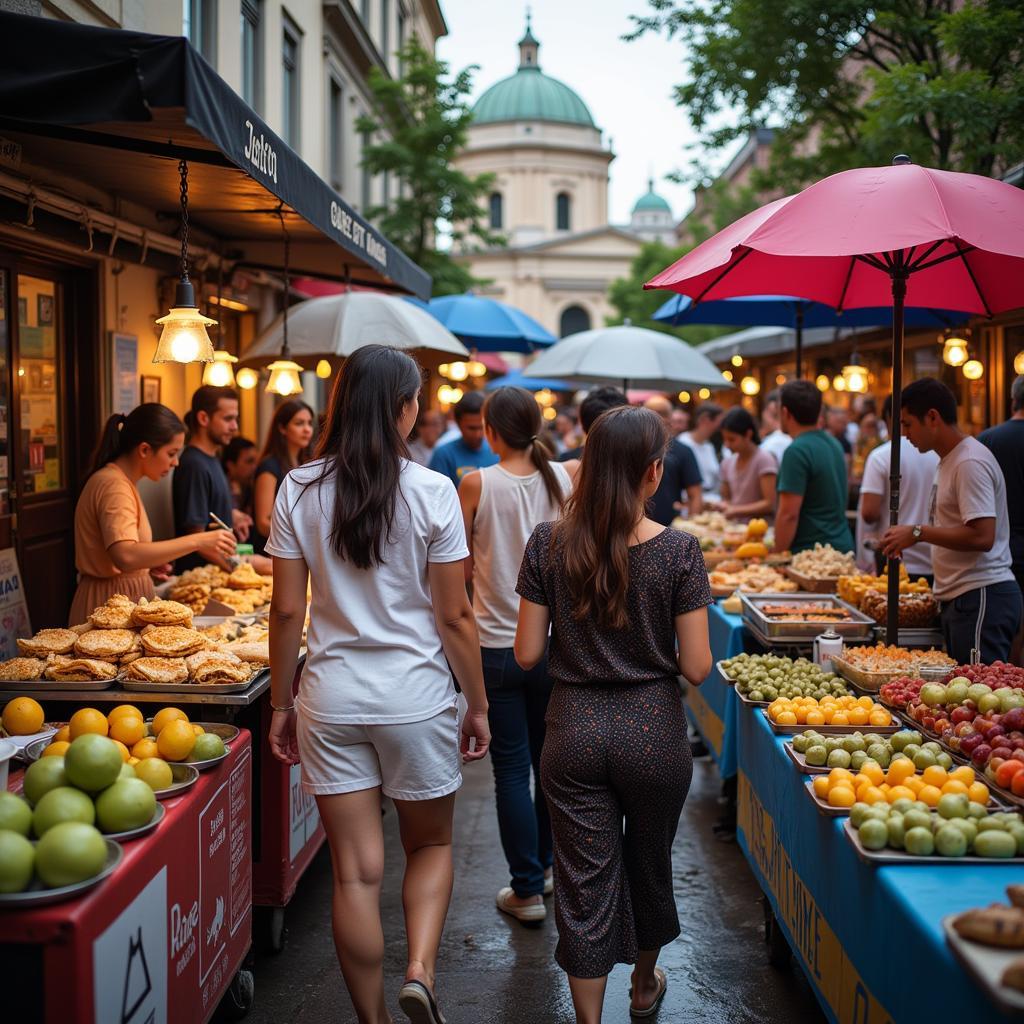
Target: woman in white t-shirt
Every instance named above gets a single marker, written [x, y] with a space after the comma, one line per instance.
[380, 541]
[502, 506]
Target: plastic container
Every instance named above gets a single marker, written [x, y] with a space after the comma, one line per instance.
[7, 751]
[825, 645]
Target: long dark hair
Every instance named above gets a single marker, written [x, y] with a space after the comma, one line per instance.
[513, 414]
[738, 421]
[363, 449]
[151, 423]
[601, 513]
[276, 444]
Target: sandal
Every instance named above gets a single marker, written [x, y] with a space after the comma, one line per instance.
[418, 1004]
[655, 1006]
[531, 913]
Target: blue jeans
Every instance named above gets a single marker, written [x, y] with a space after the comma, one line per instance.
[518, 703]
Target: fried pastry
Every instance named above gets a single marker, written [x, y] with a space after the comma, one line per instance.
[162, 613]
[107, 644]
[212, 575]
[172, 641]
[79, 670]
[194, 595]
[993, 926]
[49, 641]
[115, 614]
[158, 670]
[242, 601]
[217, 667]
[253, 651]
[29, 669]
[245, 577]
[222, 632]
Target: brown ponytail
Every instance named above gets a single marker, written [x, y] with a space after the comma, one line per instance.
[513, 414]
[150, 423]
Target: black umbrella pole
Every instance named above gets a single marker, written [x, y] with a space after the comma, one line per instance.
[899, 294]
[799, 342]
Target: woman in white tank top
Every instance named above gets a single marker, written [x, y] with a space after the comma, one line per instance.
[502, 505]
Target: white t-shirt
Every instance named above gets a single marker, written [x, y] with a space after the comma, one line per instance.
[917, 475]
[969, 485]
[775, 444]
[707, 463]
[374, 653]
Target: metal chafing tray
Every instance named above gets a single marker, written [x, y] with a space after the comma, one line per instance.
[858, 627]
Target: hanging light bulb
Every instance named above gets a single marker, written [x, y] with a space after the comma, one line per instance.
[684, 397]
[247, 378]
[1018, 363]
[444, 394]
[750, 385]
[550, 413]
[704, 394]
[727, 374]
[822, 383]
[856, 377]
[284, 374]
[220, 373]
[458, 371]
[973, 369]
[780, 379]
[323, 369]
[838, 382]
[737, 360]
[954, 351]
[476, 368]
[184, 338]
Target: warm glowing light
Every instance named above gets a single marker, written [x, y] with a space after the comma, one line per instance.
[443, 369]
[737, 360]
[727, 374]
[21, 371]
[973, 369]
[220, 373]
[822, 383]
[458, 371]
[704, 393]
[323, 369]
[225, 303]
[284, 378]
[476, 368]
[544, 397]
[184, 338]
[780, 379]
[684, 396]
[1018, 363]
[549, 413]
[954, 352]
[838, 382]
[856, 377]
[247, 379]
[750, 385]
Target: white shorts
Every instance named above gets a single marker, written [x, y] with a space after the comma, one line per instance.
[409, 760]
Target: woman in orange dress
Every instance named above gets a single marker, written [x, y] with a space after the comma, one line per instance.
[114, 548]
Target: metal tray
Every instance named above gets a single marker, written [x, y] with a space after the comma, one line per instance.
[986, 965]
[813, 584]
[26, 687]
[719, 668]
[134, 833]
[827, 809]
[830, 730]
[185, 776]
[890, 856]
[138, 686]
[914, 636]
[859, 627]
[801, 762]
[38, 896]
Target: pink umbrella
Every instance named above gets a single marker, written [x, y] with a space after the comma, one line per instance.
[902, 234]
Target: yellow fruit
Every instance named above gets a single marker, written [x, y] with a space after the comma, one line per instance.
[978, 793]
[900, 793]
[162, 717]
[133, 761]
[127, 729]
[841, 796]
[914, 784]
[900, 769]
[840, 774]
[786, 718]
[858, 716]
[145, 748]
[176, 740]
[155, 772]
[935, 775]
[56, 749]
[840, 718]
[872, 795]
[125, 709]
[87, 720]
[964, 774]
[63, 733]
[23, 716]
[879, 717]
[815, 718]
[930, 795]
[873, 771]
[122, 750]
[821, 786]
[955, 786]
[866, 703]
[198, 729]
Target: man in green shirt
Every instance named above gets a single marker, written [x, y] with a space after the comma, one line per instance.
[812, 478]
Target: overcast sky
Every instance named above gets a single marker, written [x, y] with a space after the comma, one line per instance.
[627, 86]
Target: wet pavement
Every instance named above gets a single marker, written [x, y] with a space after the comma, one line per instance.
[492, 969]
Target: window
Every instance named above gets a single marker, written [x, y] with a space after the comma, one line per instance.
[252, 53]
[367, 180]
[199, 26]
[290, 88]
[335, 134]
[385, 31]
[573, 320]
[563, 207]
[495, 207]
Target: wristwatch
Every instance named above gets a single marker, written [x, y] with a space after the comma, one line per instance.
[916, 532]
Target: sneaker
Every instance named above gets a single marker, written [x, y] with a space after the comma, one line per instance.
[530, 913]
[549, 882]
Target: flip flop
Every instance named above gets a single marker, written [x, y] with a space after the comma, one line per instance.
[655, 1006]
[418, 1004]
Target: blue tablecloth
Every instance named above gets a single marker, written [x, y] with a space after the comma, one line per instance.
[868, 938]
[712, 707]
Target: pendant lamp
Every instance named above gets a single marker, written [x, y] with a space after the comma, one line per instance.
[184, 338]
[284, 374]
[220, 373]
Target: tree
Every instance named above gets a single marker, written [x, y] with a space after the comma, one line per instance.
[851, 83]
[421, 124]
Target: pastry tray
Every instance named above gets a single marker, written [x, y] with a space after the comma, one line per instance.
[26, 686]
[891, 856]
[913, 636]
[141, 686]
[869, 682]
[830, 730]
[857, 627]
[813, 584]
[986, 965]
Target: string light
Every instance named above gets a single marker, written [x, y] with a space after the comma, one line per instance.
[704, 394]
[550, 413]
[247, 379]
[1018, 363]
[822, 383]
[458, 371]
[856, 377]
[476, 368]
[323, 369]
[737, 360]
[684, 397]
[727, 374]
[838, 382]
[973, 369]
[750, 385]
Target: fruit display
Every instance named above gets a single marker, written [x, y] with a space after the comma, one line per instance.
[918, 607]
[853, 589]
[957, 827]
[765, 677]
[750, 579]
[823, 562]
[854, 750]
[934, 787]
[887, 658]
[845, 710]
[22, 716]
[901, 691]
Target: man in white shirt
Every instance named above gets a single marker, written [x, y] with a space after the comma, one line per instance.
[917, 475]
[774, 440]
[705, 422]
[969, 529]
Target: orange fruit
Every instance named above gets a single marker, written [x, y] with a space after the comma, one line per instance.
[23, 716]
[839, 775]
[879, 717]
[165, 715]
[841, 796]
[914, 784]
[63, 733]
[145, 748]
[122, 750]
[872, 794]
[866, 702]
[815, 718]
[829, 714]
[858, 716]
[127, 729]
[955, 786]
[124, 709]
[900, 769]
[56, 749]
[821, 786]
[198, 729]
[930, 795]
[978, 793]
[873, 771]
[934, 775]
[133, 761]
[964, 773]
[841, 718]
[87, 720]
[176, 740]
[900, 793]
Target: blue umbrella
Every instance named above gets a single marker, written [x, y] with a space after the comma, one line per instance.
[488, 325]
[790, 311]
[515, 379]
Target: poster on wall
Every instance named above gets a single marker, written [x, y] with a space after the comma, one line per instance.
[14, 620]
[125, 368]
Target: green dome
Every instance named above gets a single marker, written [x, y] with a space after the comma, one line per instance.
[651, 202]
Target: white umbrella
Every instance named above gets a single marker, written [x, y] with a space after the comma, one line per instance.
[337, 325]
[627, 355]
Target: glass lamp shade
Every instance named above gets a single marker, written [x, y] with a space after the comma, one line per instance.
[220, 373]
[184, 338]
[1018, 363]
[323, 369]
[954, 352]
[750, 386]
[247, 378]
[856, 378]
[458, 371]
[838, 382]
[284, 378]
[973, 369]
